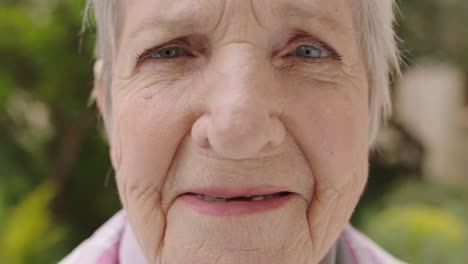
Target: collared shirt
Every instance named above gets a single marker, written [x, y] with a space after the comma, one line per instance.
[114, 243]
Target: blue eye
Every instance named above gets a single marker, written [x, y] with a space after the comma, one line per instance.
[167, 53]
[309, 51]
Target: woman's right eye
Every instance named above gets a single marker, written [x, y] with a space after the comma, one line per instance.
[167, 53]
[163, 53]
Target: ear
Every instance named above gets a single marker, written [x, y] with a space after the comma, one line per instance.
[99, 96]
[99, 86]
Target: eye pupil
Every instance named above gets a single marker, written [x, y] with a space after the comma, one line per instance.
[167, 53]
[308, 51]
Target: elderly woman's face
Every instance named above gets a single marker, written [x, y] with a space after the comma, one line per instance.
[218, 100]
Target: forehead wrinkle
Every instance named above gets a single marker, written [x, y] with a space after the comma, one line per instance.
[256, 17]
[301, 11]
[296, 12]
[169, 24]
[182, 20]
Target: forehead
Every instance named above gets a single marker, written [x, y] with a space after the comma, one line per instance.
[204, 16]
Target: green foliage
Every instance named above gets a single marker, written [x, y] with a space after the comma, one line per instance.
[419, 234]
[453, 198]
[421, 222]
[434, 29]
[47, 134]
[29, 229]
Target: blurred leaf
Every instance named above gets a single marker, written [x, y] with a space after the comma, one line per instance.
[30, 230]
[419, 234]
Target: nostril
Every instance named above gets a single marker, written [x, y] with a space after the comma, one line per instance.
[267, 146]
[200, 132]
[204, 143]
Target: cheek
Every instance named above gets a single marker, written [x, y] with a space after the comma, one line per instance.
[331, 125]
[148, 124]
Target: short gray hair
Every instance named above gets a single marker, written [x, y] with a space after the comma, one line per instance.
[377, 38]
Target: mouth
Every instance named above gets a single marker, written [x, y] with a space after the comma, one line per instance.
[229, 202]
[252, 198]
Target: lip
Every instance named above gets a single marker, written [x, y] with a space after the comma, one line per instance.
[228, 192]
[235, 208]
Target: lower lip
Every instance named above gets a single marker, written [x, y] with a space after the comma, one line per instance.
[234, 207]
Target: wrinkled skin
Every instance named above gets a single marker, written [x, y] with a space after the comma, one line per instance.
[239, 111]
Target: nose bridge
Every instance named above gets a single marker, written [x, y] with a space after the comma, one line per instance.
[241, 121]
[243, 76]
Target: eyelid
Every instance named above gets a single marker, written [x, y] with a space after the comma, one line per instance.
[307, 40]
[148, 52]
[300, 38]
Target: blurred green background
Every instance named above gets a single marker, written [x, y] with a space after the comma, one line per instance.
[56, 181]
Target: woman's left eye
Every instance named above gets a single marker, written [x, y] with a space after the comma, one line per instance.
[310, 51]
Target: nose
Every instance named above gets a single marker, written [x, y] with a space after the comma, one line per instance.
[242, 120]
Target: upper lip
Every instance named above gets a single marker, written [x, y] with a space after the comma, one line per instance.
[228, 192]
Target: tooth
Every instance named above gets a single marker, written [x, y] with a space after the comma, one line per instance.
[201, 196]
[214, 199]
[258, 198]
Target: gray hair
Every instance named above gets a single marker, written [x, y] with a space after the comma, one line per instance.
[377, 39]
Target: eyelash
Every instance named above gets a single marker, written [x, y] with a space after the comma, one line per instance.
[333, 55]
[148, 52]
[317, 43]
